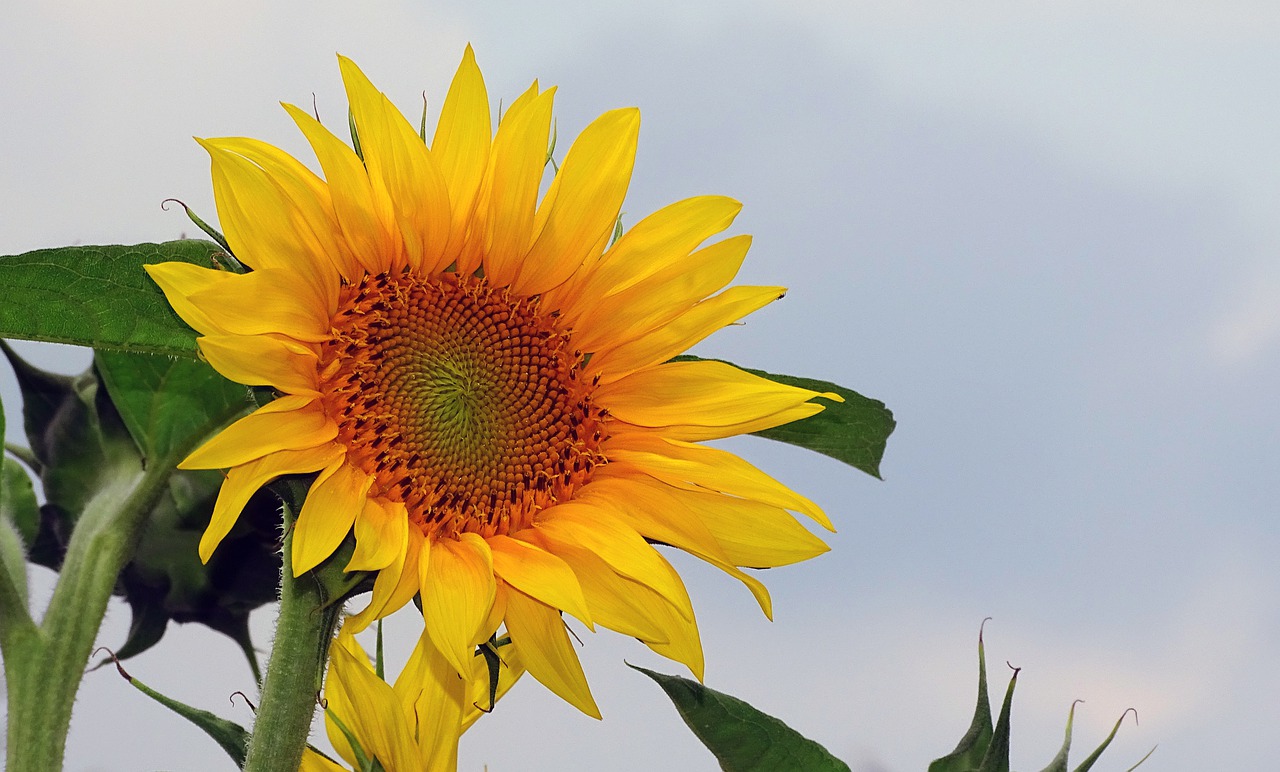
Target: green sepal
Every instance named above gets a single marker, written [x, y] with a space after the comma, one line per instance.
[19, 523]
[742, 738]
[98, 296]
[854, 431]
[997, 756]
[973, 746]
[18, 505]
[229, 735]
[213, 233]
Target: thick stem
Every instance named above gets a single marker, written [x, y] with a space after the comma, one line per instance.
[44, 666]
[289, 693]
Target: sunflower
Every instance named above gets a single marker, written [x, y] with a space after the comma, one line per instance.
[484, 381]
[414, 724]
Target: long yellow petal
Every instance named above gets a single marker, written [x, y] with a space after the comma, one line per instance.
[457, 592]
[267, 300]
[372, 712]
[260, 222]
[663, 296]
[584, 203]
[600, 530]
[678, 335]
[461, 147]
[179, 281]
[382, 535]
[401, 169]
[316, 224]
[327, 515]
[514, 174]
[701, 393]
[243, 481]
[688, 464]
[437, 704]
[288, 423]
[540, 575]
[394, 586]
[549, 656]
[366, 220]
[263, 360]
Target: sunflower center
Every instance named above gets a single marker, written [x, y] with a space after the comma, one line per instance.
[461, 400]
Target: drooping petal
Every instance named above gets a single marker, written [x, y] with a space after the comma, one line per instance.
[395, 585]
[244, 480]
[327, 515]
[598, 529]
[539, 574]
[437, 705]
[382, 535]
[457, 592]
[370, 709]
[268, 300]
[288, 423]
[549, 656]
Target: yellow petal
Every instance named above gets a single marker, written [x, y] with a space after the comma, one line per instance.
[514, 174]
[598, 529]
[371, 711]
[395, 584]
[179, 281]
[243, 481]
[701, 393]
[267, 300]
[327, 515]
[584, 201]
[549, 656]
[312, 761]
[382, 535]
[438, 694]
[260, 222]
[687, 464]
[457, 592]
[365, 218]
[288, 423]
[263, 360]
[661, 297]
[539, 574]
[683, 643]
[658, 242]
[401, 169]
[461, 147]
[316, 225]
[679, 334]
[510, 668]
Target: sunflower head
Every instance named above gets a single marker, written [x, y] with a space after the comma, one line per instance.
[482, 379]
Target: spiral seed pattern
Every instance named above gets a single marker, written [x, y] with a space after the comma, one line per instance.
[461, 400]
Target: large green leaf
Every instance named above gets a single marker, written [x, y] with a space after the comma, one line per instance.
[169, 405]
[854, 431]
[97, 296]
[742, 738]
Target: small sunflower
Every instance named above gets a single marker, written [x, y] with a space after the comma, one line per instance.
[414, 724]
[484, 381]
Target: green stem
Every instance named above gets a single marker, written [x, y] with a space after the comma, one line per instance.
[289, 693]
[44, 665]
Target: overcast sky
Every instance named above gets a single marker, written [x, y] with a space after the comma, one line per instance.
[1046, 236]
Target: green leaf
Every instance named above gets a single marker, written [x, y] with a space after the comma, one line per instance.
[973, 746]
[854, 431]
[742, 738]
[997, 756]
[169, 405]
[229, 735]
[97, 296]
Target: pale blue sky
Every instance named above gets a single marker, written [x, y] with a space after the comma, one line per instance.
[1045, 236]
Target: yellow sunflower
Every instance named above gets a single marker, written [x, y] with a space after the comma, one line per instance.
[415, 724]
[483, 381]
